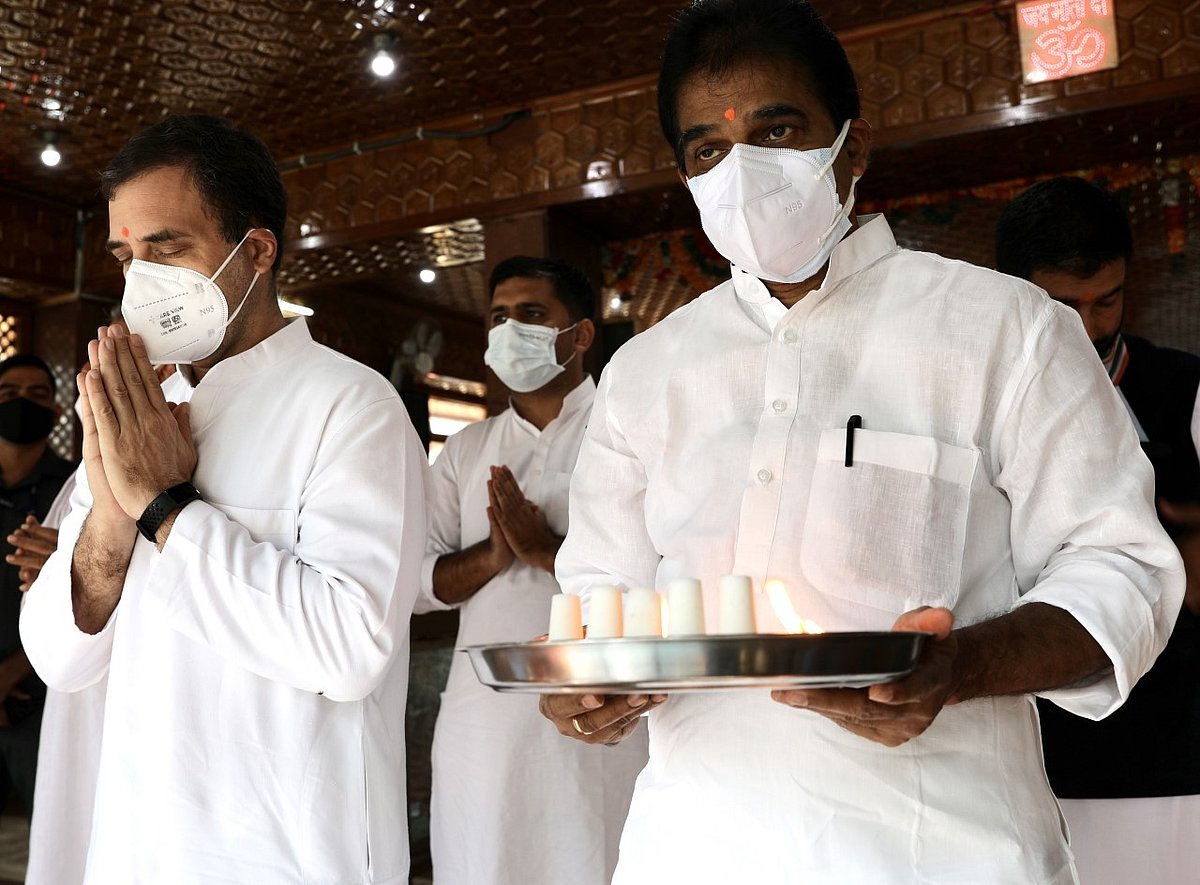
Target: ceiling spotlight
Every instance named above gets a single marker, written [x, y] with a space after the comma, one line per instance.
[428, 276]
[50, 154]
[383, 59]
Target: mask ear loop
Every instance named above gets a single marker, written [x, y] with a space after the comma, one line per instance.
[846, 209]
[835, 149]
[229, 257]
[225, 264]
[245, 297]
[563, 365]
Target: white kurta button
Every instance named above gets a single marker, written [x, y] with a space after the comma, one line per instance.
[779, 405]
[764, 476]
[789, 336]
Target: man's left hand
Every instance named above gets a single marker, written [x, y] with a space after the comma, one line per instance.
[145, 445]
[523, 523]
[892, 713]
[34, 543]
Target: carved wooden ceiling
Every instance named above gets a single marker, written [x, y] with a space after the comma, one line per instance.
[95, 71]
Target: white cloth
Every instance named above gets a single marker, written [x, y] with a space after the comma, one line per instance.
[995, 467]
[257, 666]
[61, 505]
[68, 761]
[514, 802]
[1155, 840]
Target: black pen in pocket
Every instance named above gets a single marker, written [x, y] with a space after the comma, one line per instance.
[852, 425]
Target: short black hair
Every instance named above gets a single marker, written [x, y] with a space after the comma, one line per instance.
[1062, 224]
[29, 359]
[714, 36]
[571, 286]
[233, 171]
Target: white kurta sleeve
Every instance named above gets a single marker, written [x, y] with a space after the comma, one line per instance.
[1085, 535]
[445, 522]
[64, 657]
[327, 616]
[62, 501]
[607, 540]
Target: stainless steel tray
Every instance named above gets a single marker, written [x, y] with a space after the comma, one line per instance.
[635, 665]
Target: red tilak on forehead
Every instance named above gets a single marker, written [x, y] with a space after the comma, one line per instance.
[124, 231]
[730, 114]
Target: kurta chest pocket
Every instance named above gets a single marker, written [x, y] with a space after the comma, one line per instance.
[274, 527]
[890, 530]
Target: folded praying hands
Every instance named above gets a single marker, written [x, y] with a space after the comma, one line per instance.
[135, 444]
[521, 523]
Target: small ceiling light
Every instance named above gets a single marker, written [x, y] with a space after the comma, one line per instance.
[383, 59]
[50, 154]
[428, 276]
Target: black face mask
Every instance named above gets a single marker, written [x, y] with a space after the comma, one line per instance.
[24, 421]
[1105, 346]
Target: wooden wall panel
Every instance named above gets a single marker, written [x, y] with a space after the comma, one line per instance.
[946, 74]
[37, 246]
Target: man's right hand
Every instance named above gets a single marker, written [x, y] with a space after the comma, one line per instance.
[597, 719]
[500, 554]
[460, 575]
[106, 515]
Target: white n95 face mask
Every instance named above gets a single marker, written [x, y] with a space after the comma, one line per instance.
[180, 313]
[774, 212]
[522, 355]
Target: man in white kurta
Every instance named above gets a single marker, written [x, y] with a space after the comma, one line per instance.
[256, 650]
[978, 490]
[244, 739]
[993, 495]
[513, 803]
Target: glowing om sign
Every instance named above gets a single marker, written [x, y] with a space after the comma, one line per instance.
[1064, 48]
[1062, 38]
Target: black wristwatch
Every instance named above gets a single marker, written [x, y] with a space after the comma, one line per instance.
[174, 498]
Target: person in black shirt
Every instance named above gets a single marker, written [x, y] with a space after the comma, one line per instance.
[30, 477]
[1073, 239]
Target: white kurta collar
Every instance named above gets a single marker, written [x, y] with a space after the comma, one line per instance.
[579, 398]
[289, 340]
[863, 246]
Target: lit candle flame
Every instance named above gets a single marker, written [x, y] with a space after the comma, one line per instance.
[777, 593]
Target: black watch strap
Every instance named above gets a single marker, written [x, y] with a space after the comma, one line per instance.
[163, 506]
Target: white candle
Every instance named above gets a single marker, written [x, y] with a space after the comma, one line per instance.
[643, 613]
[685, 602]
[566, 621]
[604, 612]
[736, 613]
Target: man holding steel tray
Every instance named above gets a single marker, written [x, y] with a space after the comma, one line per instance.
[908, 443]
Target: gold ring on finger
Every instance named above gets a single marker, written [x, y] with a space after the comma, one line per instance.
[579, 728]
